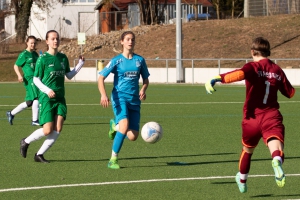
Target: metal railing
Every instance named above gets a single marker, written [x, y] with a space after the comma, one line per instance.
[197, 63]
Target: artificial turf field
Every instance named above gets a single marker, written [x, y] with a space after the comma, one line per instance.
[197, 157]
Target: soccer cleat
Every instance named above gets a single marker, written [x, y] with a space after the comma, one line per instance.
[23, 148]
[40, 158]
[113, 163]
[112, 132]
[35, 123]
[10, 117]
[242, 186]
[279, 174]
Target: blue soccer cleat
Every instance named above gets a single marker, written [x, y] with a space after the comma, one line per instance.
[10, 117]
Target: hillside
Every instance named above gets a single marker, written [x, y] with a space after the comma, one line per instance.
[201, 39]
[207, 39]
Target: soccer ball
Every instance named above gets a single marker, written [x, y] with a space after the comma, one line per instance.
[152, 132]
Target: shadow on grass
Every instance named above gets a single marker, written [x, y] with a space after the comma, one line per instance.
[225, 161]
[271, 195]
[88, 123]
[176, 156]
[175, 163]
[152, 157]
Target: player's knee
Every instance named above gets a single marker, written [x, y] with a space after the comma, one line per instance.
[47, 131]
[132, 135]
[29, 103]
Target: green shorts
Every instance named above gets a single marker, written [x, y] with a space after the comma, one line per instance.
[49, 109]
[31, 90]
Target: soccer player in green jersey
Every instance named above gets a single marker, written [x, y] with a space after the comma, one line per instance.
[26, 60]
[49, 77]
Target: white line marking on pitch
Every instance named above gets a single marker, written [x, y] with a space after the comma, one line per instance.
[174, 103]
[130, 182]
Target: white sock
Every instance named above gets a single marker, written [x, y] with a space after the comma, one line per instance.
[35, 110]
[19, 108]
[113, 154]
[117, 127]
[36, 135]
[278, 158]
[51, 138]
[243, 176]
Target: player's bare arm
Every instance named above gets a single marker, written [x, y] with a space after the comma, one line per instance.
[143, 89]
[104, 101]
[20, 77]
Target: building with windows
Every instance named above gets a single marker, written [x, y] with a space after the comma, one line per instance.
[68, 17]
[122, 14]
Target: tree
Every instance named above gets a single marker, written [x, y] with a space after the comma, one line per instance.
[226, 8]
[22, 14]
[236, 7]
[218, 5]
[22, 10]
[149, 11]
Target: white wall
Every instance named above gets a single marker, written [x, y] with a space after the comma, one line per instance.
[68, 19]
[162, 75]
[9, 24]
[37, 23]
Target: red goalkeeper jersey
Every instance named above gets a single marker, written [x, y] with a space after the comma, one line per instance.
[263, 80]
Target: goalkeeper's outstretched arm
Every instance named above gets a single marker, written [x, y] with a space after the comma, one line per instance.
[229, 77]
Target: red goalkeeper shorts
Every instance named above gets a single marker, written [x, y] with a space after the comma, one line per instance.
[265, 125]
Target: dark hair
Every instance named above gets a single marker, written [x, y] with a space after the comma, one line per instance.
[127, 33]
[30, 37]
[51, 31]
[261, 47]
[47, 35]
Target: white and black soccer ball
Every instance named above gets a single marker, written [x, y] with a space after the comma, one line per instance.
[152, 132]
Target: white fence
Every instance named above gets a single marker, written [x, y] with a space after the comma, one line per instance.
[193, 74]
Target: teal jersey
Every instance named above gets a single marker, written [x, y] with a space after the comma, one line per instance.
[26, 60]
[127, 73]
[51, 69]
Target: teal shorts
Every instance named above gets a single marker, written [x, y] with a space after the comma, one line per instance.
[124, 110]
[49, 109]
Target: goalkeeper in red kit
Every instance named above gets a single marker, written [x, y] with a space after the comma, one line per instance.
[261, 115]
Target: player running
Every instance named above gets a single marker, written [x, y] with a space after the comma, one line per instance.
[126, 98]
[49, 77]
[26, 60]
[261, 115]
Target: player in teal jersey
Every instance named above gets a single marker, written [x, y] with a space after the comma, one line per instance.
[26, 60]
[49, 77]
[126, 96]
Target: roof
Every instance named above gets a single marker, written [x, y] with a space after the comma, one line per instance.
[123, 4]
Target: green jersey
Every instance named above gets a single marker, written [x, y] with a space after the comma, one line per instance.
[51, 69]
[27, 61]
